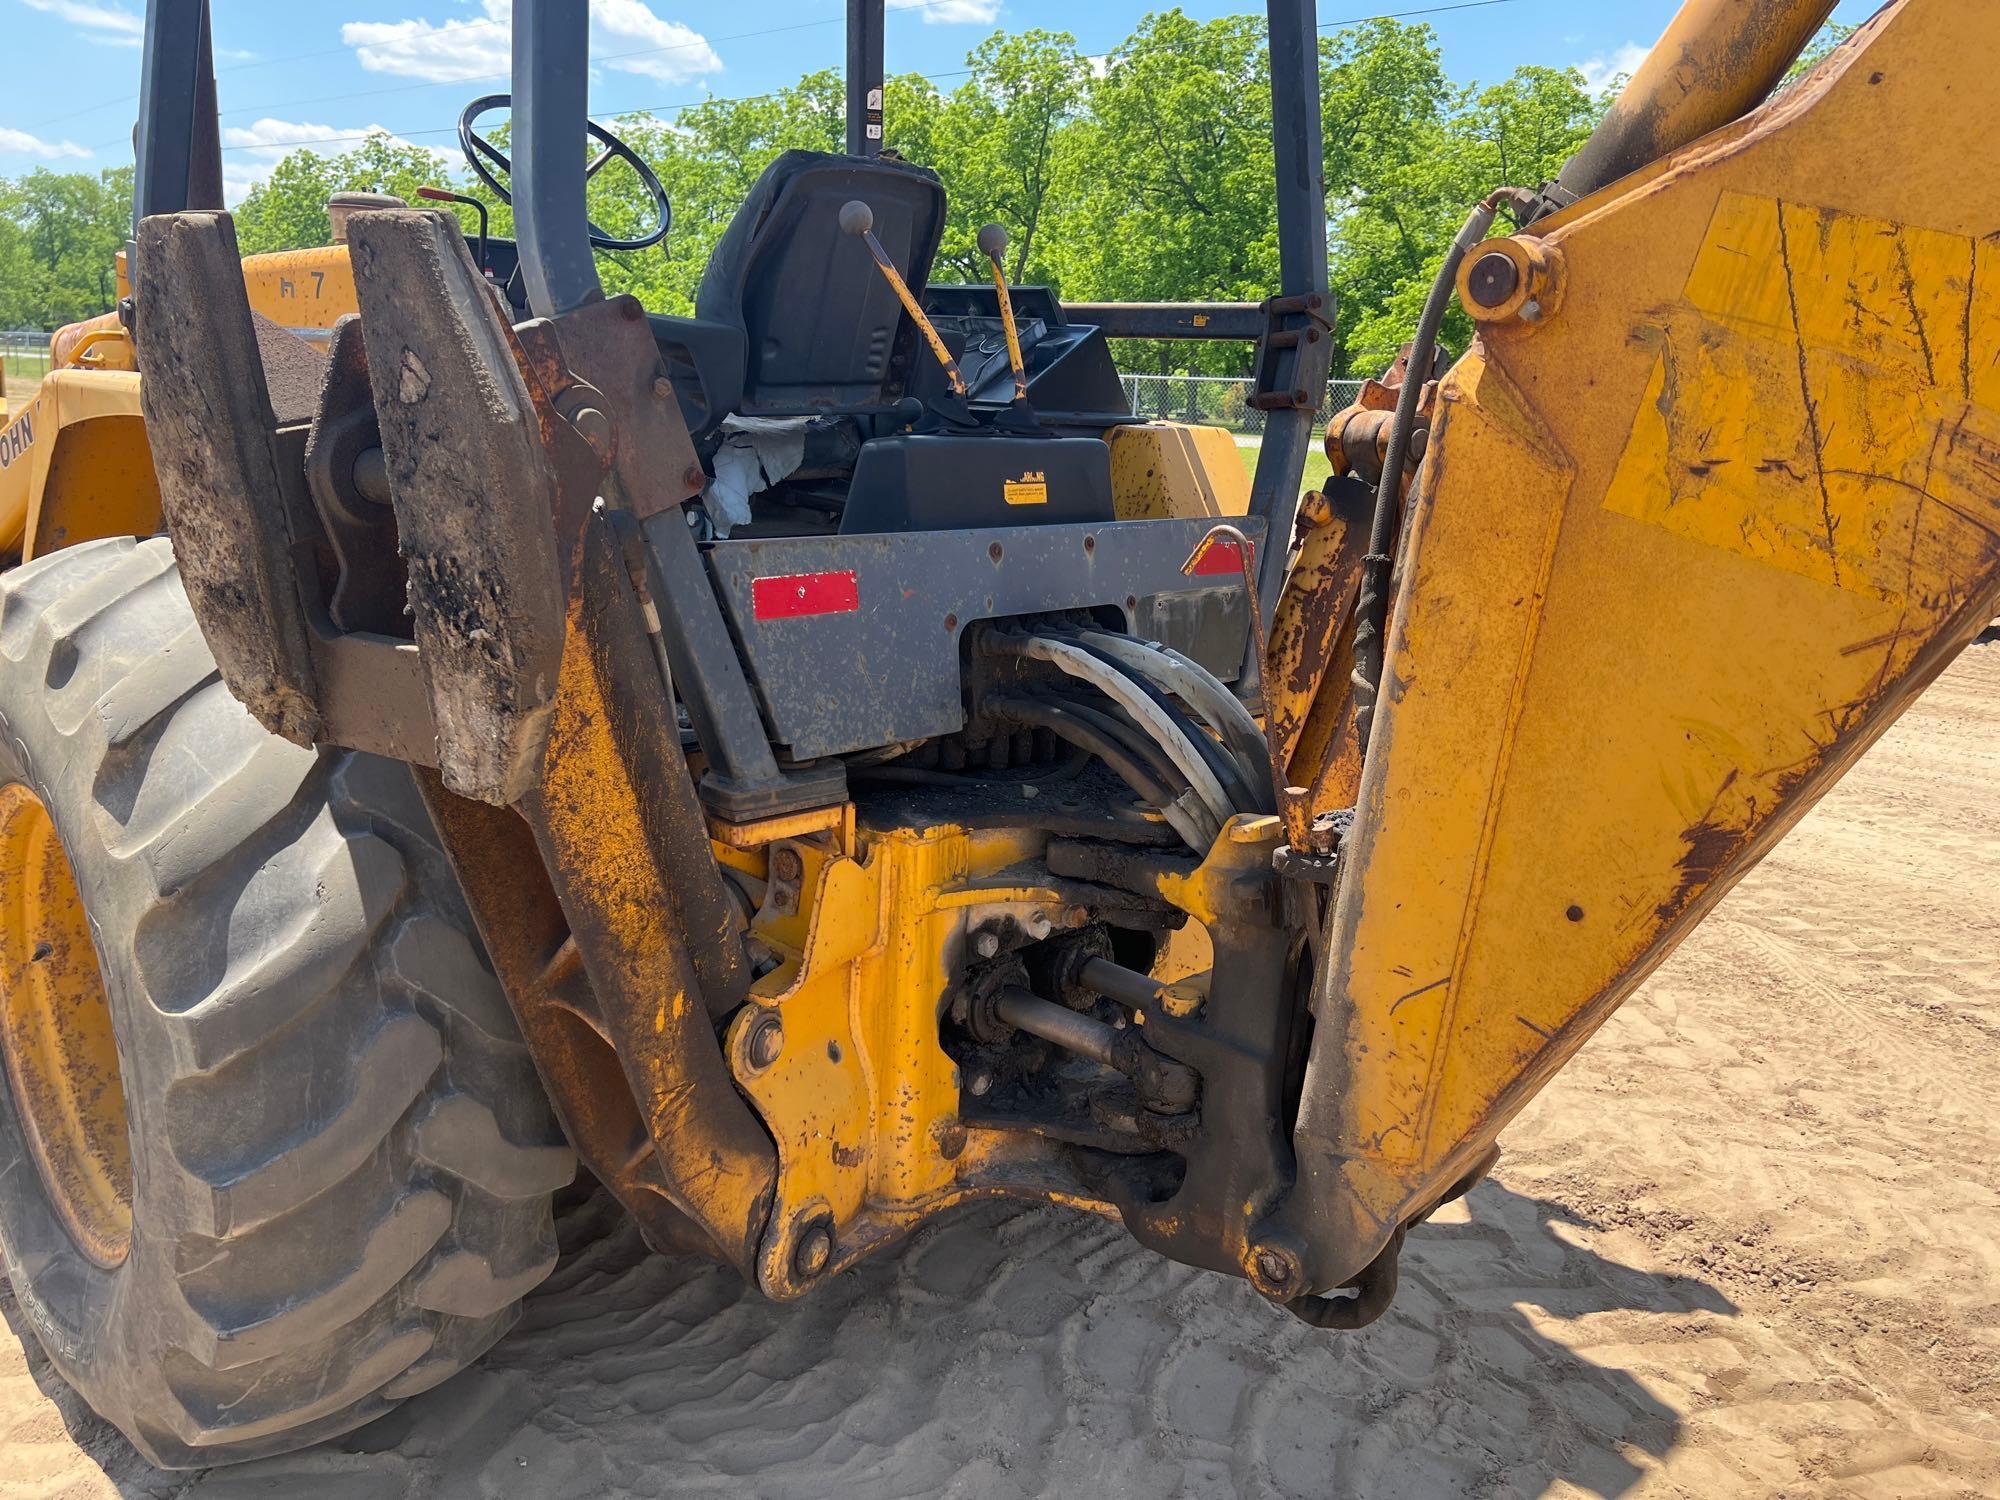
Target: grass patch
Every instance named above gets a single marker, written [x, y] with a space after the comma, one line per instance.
[1318, 470]
[25, 368]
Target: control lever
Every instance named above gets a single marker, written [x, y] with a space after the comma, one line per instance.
[858, 219]
[993, 245]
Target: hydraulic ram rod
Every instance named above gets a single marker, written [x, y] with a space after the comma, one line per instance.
[1716, 61]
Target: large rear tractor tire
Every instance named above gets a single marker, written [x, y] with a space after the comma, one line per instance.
[272, 1154]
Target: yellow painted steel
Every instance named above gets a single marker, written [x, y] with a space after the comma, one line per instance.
[100, 343]
[1168, 469]
[56, 1035]
[1677, 556]
[860, 1096]
[1715, 60]
[75, 464]
[74, 461]
[303, 290]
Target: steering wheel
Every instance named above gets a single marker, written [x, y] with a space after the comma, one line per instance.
[483, 156]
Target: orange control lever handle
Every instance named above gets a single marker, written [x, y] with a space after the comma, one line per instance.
[993, 245]
[858, 219]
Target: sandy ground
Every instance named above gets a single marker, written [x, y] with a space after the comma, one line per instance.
[1748, 1244]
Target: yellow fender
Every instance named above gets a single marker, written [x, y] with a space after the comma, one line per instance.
[75, 465]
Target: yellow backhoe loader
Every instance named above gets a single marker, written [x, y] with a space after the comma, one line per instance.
[823, 760]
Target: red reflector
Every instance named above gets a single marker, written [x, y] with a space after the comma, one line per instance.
[1221, 557]
[793, 594]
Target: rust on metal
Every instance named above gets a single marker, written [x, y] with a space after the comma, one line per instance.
[612, 945]
[1310, 658]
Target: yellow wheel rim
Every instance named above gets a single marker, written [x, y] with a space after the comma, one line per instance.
[55, 1031]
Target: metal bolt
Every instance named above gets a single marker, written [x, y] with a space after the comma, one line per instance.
[786, 864]
[767, 1041]
[815, 1250]
[662, 388]
[1531, 311]
[987, 944]
[1493, 279]
[1275, 1270]
[981, 1084]
[951, 1141]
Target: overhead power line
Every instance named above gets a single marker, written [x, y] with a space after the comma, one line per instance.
[432, 83]
[671, 110]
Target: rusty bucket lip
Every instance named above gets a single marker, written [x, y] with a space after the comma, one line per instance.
[67, 1126]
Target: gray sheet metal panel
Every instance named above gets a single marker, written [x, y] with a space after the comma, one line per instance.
[551, 111]
[888, 670]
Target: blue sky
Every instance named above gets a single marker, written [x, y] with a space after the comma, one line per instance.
[291, 73]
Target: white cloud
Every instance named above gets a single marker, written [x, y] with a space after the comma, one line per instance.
[34, 145]
[270, 140]
[959, 12]
[106, 24]
[626, 37]
[252, 150]
[1600, 72]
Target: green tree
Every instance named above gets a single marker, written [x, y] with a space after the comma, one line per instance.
[1147, 178]
[1005, 145]
[1830, 36]
[287, 211]
[1408, 154]
[62, 232]
[1175, 166]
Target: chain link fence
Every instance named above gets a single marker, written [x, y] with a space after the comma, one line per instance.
[1215, 400]
[25, 353]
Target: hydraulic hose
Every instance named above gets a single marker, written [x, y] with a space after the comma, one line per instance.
[1133, 738]
[1120, 689]
[1192, 828]
[1236, 787]
[1371, 613]
[1195, 686]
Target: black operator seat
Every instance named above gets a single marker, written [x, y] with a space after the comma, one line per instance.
[822, 330]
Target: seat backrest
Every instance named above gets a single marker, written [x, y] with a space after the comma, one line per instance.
[822, 328]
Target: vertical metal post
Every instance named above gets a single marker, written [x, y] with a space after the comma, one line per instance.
[864, 77]
[551, 113]
[178, 142]
[1295, 132]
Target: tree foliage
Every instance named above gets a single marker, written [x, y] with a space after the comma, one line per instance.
[287, 210]
[59, 234]
[1145, 175]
